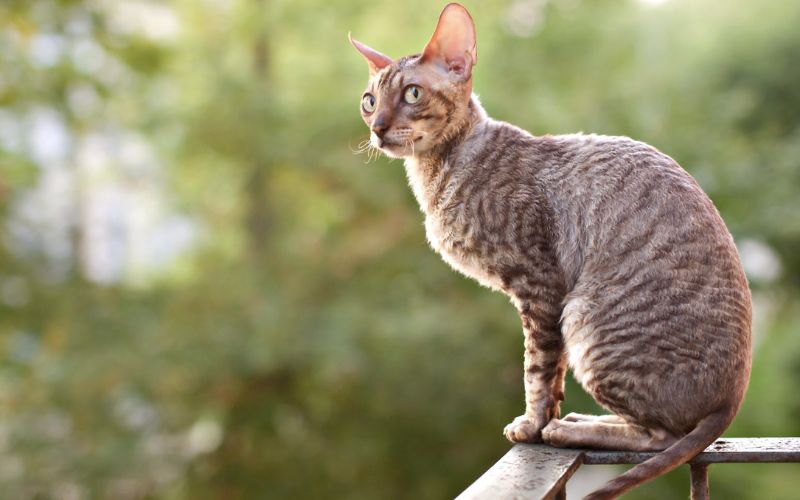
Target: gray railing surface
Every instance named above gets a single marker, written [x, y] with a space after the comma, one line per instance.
[537, 471]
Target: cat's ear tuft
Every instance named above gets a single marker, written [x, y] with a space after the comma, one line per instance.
[453, 46]
[375, 59]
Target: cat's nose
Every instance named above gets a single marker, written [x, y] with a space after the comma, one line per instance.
[379, 126]
[379, 131]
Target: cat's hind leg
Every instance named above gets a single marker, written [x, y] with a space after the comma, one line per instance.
[580, 417]
[605, 435]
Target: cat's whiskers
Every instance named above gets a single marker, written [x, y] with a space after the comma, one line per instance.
[362, 146]
[411, 142]
[373, 153]
[365, 146]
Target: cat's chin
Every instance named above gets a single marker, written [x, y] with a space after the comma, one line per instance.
[397, 150]
[399, 153]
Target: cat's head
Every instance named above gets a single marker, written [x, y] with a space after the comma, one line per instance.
[415, 103]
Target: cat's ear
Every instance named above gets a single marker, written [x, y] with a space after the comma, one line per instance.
[452, 47]
[375, 59]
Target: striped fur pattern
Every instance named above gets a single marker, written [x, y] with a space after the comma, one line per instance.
[618, 263]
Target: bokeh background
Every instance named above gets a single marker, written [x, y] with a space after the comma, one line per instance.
[206, 293]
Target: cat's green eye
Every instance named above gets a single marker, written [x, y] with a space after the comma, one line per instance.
[412, 95]
[368, 103]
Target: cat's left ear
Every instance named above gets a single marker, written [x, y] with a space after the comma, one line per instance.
[452, 47]
[375, 59]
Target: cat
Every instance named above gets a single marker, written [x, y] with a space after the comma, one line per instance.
[618, 263]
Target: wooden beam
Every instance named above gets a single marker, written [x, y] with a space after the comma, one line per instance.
[527, 471]
[699, 482]
[538, 471]
[724, 450]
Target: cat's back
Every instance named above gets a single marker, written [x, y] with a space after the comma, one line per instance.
[616, 199]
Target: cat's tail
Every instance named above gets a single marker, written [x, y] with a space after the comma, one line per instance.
[683, 450]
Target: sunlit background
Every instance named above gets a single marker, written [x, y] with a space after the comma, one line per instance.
[206, 293]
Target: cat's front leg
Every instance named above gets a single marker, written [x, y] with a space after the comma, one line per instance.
[545, 366]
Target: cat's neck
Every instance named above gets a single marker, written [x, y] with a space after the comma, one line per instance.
[472, 115]
[425, 170]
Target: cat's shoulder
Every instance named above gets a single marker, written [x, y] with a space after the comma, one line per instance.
[581, 139]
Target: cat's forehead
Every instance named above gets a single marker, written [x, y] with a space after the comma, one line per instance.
[392, 75]
[406, 71]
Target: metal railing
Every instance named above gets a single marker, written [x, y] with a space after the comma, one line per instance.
[537, 471]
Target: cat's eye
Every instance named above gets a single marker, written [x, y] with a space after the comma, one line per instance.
[412, 94]
[368, 103]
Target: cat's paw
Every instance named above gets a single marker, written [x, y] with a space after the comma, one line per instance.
[555, 433]
[578, 417]
[524, 429]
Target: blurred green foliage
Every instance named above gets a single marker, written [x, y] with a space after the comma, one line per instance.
[307, 343]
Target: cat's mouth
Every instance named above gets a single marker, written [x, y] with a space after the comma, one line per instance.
[398, 143]
[398, 149]
[384, 143]
[388, 143]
